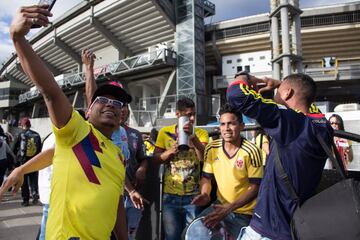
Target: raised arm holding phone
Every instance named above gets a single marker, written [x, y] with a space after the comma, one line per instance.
[80, 181]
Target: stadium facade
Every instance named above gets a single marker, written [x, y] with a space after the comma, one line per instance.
[161, 50]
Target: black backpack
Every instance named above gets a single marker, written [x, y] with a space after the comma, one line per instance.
[332, 214]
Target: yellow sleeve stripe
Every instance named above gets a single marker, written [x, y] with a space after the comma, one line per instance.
[254, 152]
[215, 144]
[245, 89]
[207, 150]
[313, 108]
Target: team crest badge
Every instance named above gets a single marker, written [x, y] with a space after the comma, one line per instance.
[239, 163]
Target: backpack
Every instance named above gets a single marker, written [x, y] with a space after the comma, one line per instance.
[30, 143]
[331, 214]
[31, 147]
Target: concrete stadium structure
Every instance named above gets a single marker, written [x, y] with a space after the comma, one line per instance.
[135, 43]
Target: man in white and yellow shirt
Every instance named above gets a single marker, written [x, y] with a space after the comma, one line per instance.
[235, 164]
[182, 170]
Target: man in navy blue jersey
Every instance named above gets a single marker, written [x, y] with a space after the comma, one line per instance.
[292, 122]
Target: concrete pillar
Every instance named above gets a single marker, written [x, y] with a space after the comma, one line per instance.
[276, 74]
[35, 111]
[275, 46]
[295, 3]
[121, 55]
[284, 13]
[296, 41]
[162, 84]
[146, 93]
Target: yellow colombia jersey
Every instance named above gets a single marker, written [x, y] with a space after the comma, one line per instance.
[150, 147]
[182, 173]
[87, 182]
[233, 174]
[259, 144]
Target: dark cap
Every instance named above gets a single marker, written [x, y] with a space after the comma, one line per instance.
[114, 89]
[25, 122]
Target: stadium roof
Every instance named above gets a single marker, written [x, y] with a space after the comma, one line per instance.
[129, 26]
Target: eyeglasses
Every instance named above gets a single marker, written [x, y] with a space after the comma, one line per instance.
[105, 100]
[334, 123]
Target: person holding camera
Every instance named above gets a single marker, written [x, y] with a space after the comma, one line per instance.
[88, 174]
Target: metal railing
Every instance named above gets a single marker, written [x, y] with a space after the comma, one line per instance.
[330, 19]
[209, 8]
[337, 18]
[351, 72]
[147, 110]
[243, 30]
[162, 56]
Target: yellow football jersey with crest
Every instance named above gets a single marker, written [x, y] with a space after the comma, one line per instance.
[233, 174]
[182, 173]
[87, 182]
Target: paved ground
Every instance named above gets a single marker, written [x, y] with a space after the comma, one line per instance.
[18, 222]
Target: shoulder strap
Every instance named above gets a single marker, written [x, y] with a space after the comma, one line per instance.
[335, 160]
[282, 174]
[47, 136]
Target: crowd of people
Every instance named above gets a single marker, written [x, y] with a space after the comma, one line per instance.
[93, 166]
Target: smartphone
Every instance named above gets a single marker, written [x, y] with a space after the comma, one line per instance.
[50, 3]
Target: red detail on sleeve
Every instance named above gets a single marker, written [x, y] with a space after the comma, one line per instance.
[237, 83]
[315, 115]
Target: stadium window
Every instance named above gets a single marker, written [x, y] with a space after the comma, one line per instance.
[239, 68]
[229, 61]
[262, 57]
[251, 59]
[239, 60]
[247, 68]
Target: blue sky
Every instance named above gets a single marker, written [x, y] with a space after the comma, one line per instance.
[225, 9]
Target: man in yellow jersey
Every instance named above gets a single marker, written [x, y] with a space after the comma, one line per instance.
[261, 140]
[88, 173]
[182, 170]
[235, 164]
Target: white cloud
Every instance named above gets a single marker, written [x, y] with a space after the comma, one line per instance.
[8, 10]
[4, 27]
[239, 8]
[6, 48]
[314, 3]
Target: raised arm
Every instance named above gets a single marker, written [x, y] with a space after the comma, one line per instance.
[58, 105]
[16, 178]
[242, 94]
[88, 59]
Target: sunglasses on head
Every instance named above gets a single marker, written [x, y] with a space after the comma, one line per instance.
[105, 100]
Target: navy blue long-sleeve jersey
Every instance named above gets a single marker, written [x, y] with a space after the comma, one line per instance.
[301, 155]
